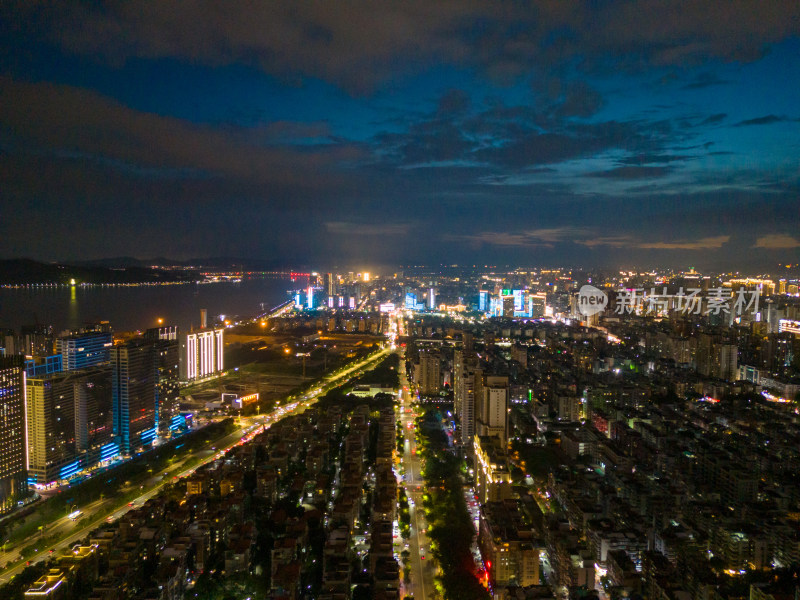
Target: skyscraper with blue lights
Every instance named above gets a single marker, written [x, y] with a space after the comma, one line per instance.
[134, 386]
[85, 349]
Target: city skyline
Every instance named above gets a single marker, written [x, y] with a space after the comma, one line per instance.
[352, 300]
[633, 134]
[441, 434]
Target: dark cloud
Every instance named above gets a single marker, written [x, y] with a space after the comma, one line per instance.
[514, 140]
[357, 45]
[632, 172]
[706, 243]
[580, 101]
[648, 159]
[366, 229]
[564, 99]
[714, 119]
[542, 237]
[571, 141]
[424, 143]
[538, 149]
[290, 131]
[765, 120]
[492, 168]
[64, 121]
[777, 241]
[600, 241]
[704, 80]
[454, 101]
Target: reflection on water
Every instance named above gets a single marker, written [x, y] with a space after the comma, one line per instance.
[131, 308]
[73, 317]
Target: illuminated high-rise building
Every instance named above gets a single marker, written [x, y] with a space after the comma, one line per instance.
[168, 366]
[51, 429]
[467, 404]
[537, 305]
[10, 343]
[13, 433]
[468, 341]
[432, 299]
[94, 414]
[330, 284]
[519, 301]
[492, 475]
[508, 305]
[495, 306]
[410, 301]
[135, 393]
[483, 301]
[37, 340]
[201, 353]
[493, 416]
[458, 375]
[430, 376]
[84, 350]
[70, 424]
[467, 388]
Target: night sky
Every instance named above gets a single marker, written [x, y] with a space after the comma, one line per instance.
[601, 133]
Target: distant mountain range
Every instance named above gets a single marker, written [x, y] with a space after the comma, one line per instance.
[20, 271]
[216, 262]
[129, 261]
[124, 269]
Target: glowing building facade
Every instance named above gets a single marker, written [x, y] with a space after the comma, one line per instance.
[70, 424]
[201, 354]
[85, 349]
[135, 394]
[13, 435]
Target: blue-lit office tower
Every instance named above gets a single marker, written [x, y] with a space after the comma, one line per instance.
[13, 455]
[84, 350]
[94, 414]
[134, 385]
[483, 301]
[69, 423]
[44, 365]
[168, 365]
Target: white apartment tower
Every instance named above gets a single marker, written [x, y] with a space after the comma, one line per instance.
[201, 353]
